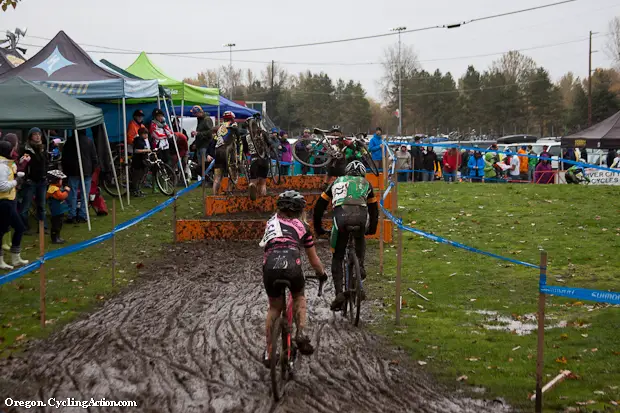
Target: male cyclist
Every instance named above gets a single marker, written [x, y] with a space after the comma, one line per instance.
[226, 133]
[354, 205]
[259, 168]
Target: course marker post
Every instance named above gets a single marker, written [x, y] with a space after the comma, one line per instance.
[541, 331]
[382, 186]
[42, 273]
[204, 180]
[174, 219]
[399, 260]
[113, 242]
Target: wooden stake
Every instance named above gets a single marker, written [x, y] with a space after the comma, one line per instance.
[382, 187]
[204, 179]
[42, 273]
[399, 266]
[113, 242]
[541, 332]
[174, 220]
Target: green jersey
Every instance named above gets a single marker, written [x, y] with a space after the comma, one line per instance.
[349, 190]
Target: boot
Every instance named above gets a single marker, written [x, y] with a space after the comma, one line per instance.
[4, 265]
[17, 260]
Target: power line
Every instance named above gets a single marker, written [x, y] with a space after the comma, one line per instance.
[352, 39]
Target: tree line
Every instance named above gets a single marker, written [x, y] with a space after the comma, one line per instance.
[513, 95]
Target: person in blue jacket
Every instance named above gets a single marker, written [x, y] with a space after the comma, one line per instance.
[375, 147]
[476, 167]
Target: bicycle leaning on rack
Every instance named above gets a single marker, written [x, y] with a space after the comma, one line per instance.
[283, 357]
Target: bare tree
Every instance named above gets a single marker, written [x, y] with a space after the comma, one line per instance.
[566, 86]
[208, 78]
[274, 74]
[612, 48]
[408, 62]
[516, 67]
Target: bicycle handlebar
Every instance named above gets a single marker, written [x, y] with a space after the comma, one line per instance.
[321, 279]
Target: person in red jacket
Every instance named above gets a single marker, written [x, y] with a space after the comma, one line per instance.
[451, 163]
[160, 134]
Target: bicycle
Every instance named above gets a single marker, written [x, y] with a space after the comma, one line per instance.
[236, 161]
[282, 330]
[320, 150]
[352, 280]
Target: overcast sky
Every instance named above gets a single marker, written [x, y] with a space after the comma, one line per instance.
[196, 25]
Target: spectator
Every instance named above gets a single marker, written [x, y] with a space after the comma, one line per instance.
[476, 167]
[465, 157]
[33, 161]
[287, 157]
[545, 153]
[302, 151]
[583, 155]
[490, 175]
[428, 164]
[616, 162]
[9, 216]
[611, 155]
[417, 160]
[57, 200]
[203, 133]
[182, 145]
[531, 163]
[141, 149]
[568, 154]
[14, 141]
[524, 164]
[544, 171]
[403, 162]
[515, 166]
[450, 164]
[132, 129]
[71, 168]
[160, 133]
[375, 146]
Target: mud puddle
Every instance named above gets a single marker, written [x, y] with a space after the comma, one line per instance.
[189, 338]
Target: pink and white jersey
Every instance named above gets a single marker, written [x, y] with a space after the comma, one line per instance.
[286, 233]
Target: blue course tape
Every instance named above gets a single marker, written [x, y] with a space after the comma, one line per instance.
[20, 272]
[439, 239]
[609, 297]
[77, 247]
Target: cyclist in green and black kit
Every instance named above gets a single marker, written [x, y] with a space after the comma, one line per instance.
[354, 205]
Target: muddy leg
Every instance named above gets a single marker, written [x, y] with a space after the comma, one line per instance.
[275, 309]
[217, 181]
[299, 312]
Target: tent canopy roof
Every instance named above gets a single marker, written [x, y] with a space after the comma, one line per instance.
[9, 59]
[144, 68]
[65, 66]
[25, 105]
[241, 112]
[603, 135]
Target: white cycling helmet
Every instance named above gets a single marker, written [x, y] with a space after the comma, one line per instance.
[355, 168]
[56, 174]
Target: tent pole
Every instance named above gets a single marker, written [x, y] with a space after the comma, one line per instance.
[126, 150]
[118, 189]
[182, 109]
[85, 195]
[176, 147]
[158, 103]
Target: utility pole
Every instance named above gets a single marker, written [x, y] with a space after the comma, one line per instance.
[230, 69]
[400, 96]
[590, 82]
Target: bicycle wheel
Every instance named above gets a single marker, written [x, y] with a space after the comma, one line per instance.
[232, 163]
[108, 182]
[315, 154]
[165, 178]
[258, 141]
[356, 289]
[274, 171]
[278, 357]
[367, 158]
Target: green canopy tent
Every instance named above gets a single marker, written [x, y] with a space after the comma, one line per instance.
[182, 92]
[24, 105]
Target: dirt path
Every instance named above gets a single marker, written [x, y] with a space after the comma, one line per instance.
[189, 338]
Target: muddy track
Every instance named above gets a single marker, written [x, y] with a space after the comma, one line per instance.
[189, 338]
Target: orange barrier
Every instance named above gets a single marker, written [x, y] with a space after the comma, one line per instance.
[200, 229]
[297, 182]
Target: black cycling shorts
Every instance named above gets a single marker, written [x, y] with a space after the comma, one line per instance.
[259, 168]
[220, 157]
[283, 264]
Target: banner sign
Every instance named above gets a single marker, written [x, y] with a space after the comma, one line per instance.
[598, 177]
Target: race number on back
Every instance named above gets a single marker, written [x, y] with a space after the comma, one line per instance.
[272, 231]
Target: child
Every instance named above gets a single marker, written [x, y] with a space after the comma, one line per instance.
[9, 217]
[285, 234]
[141, 149]
[57, 200]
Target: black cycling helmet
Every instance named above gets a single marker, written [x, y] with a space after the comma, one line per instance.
[355, 168]
[138, 112]
[291, 201]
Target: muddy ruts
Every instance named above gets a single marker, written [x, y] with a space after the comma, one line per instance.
[189, 338]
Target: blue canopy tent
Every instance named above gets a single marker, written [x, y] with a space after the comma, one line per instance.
[241, 112]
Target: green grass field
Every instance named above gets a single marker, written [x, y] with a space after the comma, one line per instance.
[458, 333]
[78, 282]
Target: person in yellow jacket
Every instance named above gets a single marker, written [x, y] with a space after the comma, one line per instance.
[523, 164]
[9, 217]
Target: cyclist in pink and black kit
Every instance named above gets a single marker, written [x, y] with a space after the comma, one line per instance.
[285, 234]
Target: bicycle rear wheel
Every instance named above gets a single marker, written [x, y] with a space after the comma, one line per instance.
[274, 171]
[356, 289]
[314, 155]
[278, 357]
[233, 164]
[165, 179]
[367, 158]
[108, 182]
